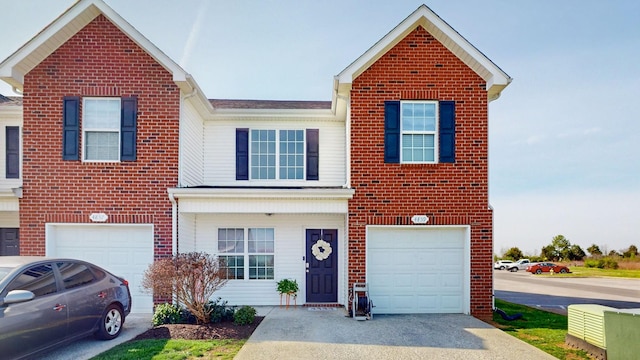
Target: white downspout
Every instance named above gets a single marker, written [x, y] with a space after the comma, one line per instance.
[174, 223]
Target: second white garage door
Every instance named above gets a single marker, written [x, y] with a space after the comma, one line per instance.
[420, 269]
[124, 250]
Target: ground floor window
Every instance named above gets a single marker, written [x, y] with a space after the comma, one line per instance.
[248, 252]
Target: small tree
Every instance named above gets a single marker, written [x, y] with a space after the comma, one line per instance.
[549, 253]
[576, 252]
[594, 250]
[190, 278]
[514, 254]
[632, 252]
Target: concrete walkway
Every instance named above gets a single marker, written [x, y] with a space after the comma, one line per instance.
[327, 333]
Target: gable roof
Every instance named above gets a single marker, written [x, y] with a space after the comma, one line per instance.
[495, 78]
[17, 65]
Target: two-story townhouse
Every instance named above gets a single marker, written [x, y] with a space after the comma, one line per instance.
[11, 176]
[125, 160]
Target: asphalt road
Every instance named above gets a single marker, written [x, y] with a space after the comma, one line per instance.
[556, 293]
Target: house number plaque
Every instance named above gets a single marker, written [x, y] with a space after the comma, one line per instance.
[419, 219]
[98, 217]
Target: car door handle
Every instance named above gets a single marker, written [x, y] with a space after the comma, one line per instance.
[59, 307]
[102, 294]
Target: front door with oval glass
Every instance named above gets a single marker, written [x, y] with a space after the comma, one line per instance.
[322, 265]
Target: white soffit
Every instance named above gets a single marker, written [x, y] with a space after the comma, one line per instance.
[423, 16]
[14, 68]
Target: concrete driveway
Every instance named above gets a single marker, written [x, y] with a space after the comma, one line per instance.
[327, 333]
[86, 348]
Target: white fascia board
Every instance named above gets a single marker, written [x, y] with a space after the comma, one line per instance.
[449, 37]
[274, 114]
[261, 193]
[13, 69]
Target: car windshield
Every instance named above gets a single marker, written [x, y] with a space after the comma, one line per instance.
[3, 272]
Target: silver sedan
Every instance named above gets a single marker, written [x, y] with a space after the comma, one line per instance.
[45, 302]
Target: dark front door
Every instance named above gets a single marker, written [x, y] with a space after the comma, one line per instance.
[322, 265]
[9, 242]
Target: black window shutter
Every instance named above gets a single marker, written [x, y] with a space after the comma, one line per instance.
[313, 154]
[13, 152]
[70, 127]
[447, 136]
[392, 131]
[128, 128]
[242, 154]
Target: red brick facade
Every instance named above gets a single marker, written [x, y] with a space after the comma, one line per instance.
[98, 61]
[421, 68]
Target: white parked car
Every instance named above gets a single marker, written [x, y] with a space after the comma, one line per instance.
[521, 264]
[502, 264]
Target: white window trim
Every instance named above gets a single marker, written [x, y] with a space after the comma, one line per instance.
[246, 254]
[277, 166]
[435, 133]
[88, 129]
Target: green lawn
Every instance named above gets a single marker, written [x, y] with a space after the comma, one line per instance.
[173, 350]
[595, 272]
[542, 329]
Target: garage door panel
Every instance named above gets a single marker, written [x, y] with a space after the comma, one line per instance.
[419, 271]
[124, 250]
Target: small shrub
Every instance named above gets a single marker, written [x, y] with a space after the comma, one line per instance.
[593, 263]
[244, 316]
[609, 263]
[189, 278]
[220, 311]
[167, 314]
[601, 263]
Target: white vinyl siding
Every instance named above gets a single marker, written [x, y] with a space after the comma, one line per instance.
[191, 137]
[220, 161]
[9, 219]
[288, 251]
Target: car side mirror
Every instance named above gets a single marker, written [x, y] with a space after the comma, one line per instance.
[18, 296]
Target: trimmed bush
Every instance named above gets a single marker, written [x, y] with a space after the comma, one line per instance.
[167, 314]
[220, 311]
[244, 316]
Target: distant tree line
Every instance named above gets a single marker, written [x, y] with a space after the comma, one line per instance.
[561, 249]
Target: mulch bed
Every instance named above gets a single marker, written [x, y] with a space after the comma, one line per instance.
[221, 330]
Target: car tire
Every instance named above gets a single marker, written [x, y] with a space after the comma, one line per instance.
[110, 323]
[514, 269]
[501, 267]
[563, 271]
[538, 271]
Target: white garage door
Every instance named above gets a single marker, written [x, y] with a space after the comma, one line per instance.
[414, 270]
[124, 250]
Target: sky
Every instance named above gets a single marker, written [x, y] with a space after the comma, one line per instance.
[564, 135]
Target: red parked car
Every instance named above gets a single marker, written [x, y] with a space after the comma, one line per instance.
[539, 268]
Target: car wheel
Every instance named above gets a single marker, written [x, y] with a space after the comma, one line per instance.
[563, 271]
[110, 323]
[538, 271]
[514, 269]
[501, 267]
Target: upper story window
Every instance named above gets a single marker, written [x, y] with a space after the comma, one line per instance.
[277, 154]
[421, 132]
[109, 128]
[419, 129]
[12, 152]
[101, 129]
